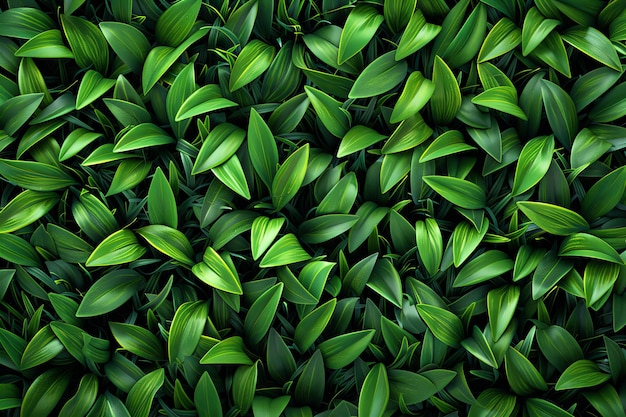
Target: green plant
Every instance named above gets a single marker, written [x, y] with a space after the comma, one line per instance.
[312, 208]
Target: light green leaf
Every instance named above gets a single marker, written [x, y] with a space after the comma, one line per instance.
[16, 111]
[417, 34]
[26, 208]
[230, 351]
[289, 177]
[129, 173]
[127, 42]
[358, 138]
[313, 324]
[331, 114]
[110, 292]
[285, 251]
[87, 43]
[206, 398]
[206, 99]
[45, 392]
[383, 74]
[35, 175]
[45, 45]
[581, 374]
[253, 60]
[503, 37]
[533, 163]
[374, 394]
[610, 107]
[561, 112]
[553, 219]
[522, 375]
[219, 146]
[169, 241]
[186, 329]
[535, 29]
[161, 201]
[360, 27]
[232, 175]
[459, 192]
[448, 143]
[138, 340]
[488, 265]
[262, 148]
[263, 233]
[261, 314]
[416, 93]
[118, 248]
[176, 22]
[24, 22]
[444, 325]
[141, 395]
[501, 306]
[593, 43]
[589, 246]
[446, 100]
[342, 350]
[503, 99]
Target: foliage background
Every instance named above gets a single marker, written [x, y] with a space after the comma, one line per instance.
[304, 208]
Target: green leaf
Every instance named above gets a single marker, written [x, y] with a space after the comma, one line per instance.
[142, 136]
[593, 43]
[341, 197]
[18, 251]
[35, 175]
[459, 192]
[416, 93]
[533, 163]
[323, 228]
[118, 248]
[465, 240]
[217, 273]
[342, 350]
[186, 329]
[370, 215]
[310, 386]
[493, 402]
[606, 400]
[589, 246]
[110, 292]
[87, 43]
[43, 347]
[230, 225]
[83, 400]
[331, 114]
[24, 22]
[161, 201]
[394, 169]
[468, 39]
[385, 281]
[397, 13]
[548, 273]
[25, 209]
[478, 346]
[263, 233]
[553, 219]
[285, 251]
[412, 387]
[561, 112]
[169, 241]
[45, 45]
[45, 392]
[244, 386]
[522, 375]
[93, 217]
[76, 141]
[592, 85]
[206, 99]
[261, 314]
[262, 147]
[129, 173]
[448, 143]
[417, 34]
[229, 351]
[535, 29]
[501, 306]
[313, 324]
[253, 60]
[503, 99]
[446, 100]
[141, 395]
[266, 407]
[361, 26]
[383, 74]
[558, 346]
[605, 194]
[232, 175]
[610, 107]
[138, 341]
[552, 51]
[581, 374]
[176, 22]
[206, 399]
[358, 138]
[127, 42]
[503, 37]
[374, 394]
[289, 177]
[429, 244]
[484, 267]
[444, 325]
[16, 111]
[219, 146]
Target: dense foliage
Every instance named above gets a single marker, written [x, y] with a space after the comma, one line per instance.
[312, 208]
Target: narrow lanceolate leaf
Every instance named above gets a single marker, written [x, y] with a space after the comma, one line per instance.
[176, 22]
[262, 148]
[416, 93]
[16, 111]
[35, 175]
[186, 329]
[558, 346]
[501, 306]
[169, 241]
[289, 177]
[127, 42]
[253, 60]
[444, 325]
[142, 136]
[536, 407]
[606, 400]
[26, 208]
[83, 400]
[484, 267]
[605, 194]
[503, 37]
[589, 246]
[358, 138]
[138, 340]
[312, 381]
[552, 51]
[129, 173]
[161, 201]
[374, 394]
[141, 395]
[48, 44]
[24, 22]
[383, 74]
[522, 375]
[398, 12]
[553, 219]
[598, 281]
[206, 99]
[45, 392]
[533, 163]
[536, 28]
[109, 292]
[417, 34]
[593, 43]
[331, 114]
[219, 267]
[581, 374]
[87, 43]
[493, 402]
[459, 192]
[313, 324]
[219, 146]
[76, 141]
[344, 349]
[549, 272]
[118, 248]
[429, 244]
[465, 240]
[592, 85]
[561, 112]
[232, 175]
[446, 100]
[466, 44]
[230, 351]
[361, 26]
[263, 233]
[206, 399]
[502, 99]
[244, 386]
[287, 250]
[610, 107]
[587, 148]
[261, 314]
